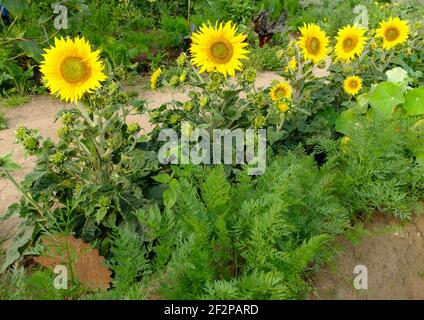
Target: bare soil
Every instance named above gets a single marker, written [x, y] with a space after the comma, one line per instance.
[392, 252]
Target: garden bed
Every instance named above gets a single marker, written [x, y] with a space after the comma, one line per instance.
[209, 178]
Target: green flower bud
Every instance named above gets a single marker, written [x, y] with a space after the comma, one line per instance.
[250, 75]
[183, 77]
[182, 59]
[174, 81]
[31, 143]
[188, 106]
[155, 115]
[68, 118]
[133, 128]
[58, 158]
[104, 201]
[174, 119]
[21, 134]
[259, 122]
[203, 101]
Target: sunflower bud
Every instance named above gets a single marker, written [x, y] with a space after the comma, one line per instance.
[259, 122]
[183, 77]
[31, 144]
[174, 81]
[182, 59]
[174, 119]
[133, 128]
[21, 134]
[58, 158]
[188, 106]
[203, 101]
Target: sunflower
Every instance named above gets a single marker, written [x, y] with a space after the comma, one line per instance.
[218, 49]
[313, 42]
[154, 78]
[283, 107]
[352, 85]
[281, 90]
[350, 43]
[71, 69]
[393, 31]
[291, 66]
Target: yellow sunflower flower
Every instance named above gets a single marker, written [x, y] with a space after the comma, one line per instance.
[352, 85]
[281, 90]
[313, 42]
[283, 107]
[350, 43]
[70, 69]
[393, 31]
[291, 66]
[218, 49]
[154, 78]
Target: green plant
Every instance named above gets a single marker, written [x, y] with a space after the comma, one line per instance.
[3, 122]
[266, 58]
[381, 155]
[93, 179]
[244, 239]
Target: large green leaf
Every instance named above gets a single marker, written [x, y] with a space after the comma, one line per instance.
[31, 49]
[385, 97]
[16, 7]
[22, 237]
[346, 121]
[414, 102]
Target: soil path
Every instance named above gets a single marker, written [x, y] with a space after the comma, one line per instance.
[391, 251]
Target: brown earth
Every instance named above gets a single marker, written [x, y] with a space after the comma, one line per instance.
[392, 252]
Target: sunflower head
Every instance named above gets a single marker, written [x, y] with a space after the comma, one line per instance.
[393, 31]
[70, 69]
[350, 43]
[280, 91]
[313, 42]
[283, 107]
[218, 48]
[352, 85]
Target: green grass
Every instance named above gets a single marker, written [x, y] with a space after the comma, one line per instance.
[14, 101]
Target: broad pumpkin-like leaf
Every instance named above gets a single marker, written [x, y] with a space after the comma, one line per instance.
[385, 97]
[414, 102]
[346, 121]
